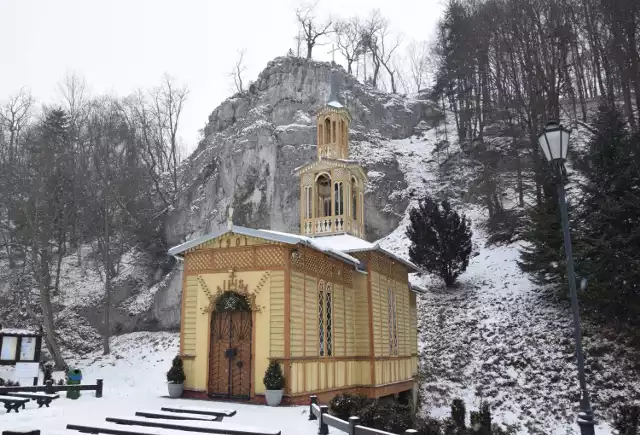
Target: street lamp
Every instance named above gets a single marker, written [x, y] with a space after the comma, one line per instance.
[554, 142]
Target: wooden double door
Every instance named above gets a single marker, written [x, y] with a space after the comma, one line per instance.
[230, 354]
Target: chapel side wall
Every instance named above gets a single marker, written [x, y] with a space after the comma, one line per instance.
[310, 372]
[388, 276]
[413, 335]
[188, 329]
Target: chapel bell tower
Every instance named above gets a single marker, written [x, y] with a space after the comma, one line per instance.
[332, 187]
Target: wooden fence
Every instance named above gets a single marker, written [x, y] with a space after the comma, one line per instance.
[351, 427]
[50, 388]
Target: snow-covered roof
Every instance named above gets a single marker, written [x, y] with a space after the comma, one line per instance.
[16, 331]
[275, 236]
[350, 244]
[335, 104]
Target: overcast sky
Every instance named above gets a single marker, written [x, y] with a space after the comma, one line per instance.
[121, 45]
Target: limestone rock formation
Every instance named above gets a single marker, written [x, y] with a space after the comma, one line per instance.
[255, 139]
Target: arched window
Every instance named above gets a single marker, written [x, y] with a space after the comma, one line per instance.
[308, 202]
[338, 195]
[354, 197]
[323, 189]
[325, 319]
[334, 132]
[327, 130]
[320, 135]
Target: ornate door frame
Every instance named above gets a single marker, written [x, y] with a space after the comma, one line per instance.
[232, 297]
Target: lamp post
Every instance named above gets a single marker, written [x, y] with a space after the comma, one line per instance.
[554, 142]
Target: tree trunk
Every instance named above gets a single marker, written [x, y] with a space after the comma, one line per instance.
[107, 277]
[47, 311]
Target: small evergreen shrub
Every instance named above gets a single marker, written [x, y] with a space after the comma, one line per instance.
[273, 377]
[626, 419]
[458, 413]
[389, 417]
[9, 383]
[348, 405]
[176, 375]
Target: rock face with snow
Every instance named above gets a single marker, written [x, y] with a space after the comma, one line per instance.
[254, 140]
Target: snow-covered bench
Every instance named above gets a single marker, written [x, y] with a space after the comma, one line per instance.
[200, 410]
[178, 416]
[42, 399]
[193, 426]
[13, 403]
[117, 429]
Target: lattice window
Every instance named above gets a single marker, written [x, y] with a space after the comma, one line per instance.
[393, 322]
[321, 316]
[329, 320]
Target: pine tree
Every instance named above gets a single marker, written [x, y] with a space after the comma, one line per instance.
[273, 377]
[543, 255]
[440, 239]
[609, 240]
[176, 375]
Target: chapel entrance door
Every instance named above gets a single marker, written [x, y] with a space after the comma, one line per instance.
[230, 348]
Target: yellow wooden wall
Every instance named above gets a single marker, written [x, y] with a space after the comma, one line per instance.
[308, 370]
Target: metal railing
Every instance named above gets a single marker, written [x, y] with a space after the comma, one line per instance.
[351, 427]
[50, 388]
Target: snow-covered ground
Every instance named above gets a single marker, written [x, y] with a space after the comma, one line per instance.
[134, 380]
[494, 337]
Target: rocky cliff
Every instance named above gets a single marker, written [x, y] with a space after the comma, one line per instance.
[255, 139]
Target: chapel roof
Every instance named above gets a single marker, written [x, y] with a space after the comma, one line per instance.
[338, 246]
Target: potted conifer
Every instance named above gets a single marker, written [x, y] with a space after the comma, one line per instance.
[176, 377]
[273, 383]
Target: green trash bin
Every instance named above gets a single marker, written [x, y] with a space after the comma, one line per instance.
[74, 377]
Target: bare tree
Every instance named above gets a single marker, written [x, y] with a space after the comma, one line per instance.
[15, 115]
[418, 62]
[369, 39]
[348, 40]
[311, 28]
[238, 70]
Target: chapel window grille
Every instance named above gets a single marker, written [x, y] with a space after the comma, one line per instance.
[329, 321]
[393, 323]
[321, 316]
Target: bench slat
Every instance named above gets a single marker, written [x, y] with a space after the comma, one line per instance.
[178, 416]
[35, 395]
[194, 426]
[118, 429]
[200, 410]
[13, 399]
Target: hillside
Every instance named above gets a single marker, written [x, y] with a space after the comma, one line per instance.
[495, 336]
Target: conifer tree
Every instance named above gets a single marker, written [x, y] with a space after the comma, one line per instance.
[440, 239]
[610, 240]
[543, 255]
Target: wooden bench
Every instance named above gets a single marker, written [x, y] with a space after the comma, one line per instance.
[12, 402]
[117, 429]
[193, 426]
[42, 399]
[178, 416]
[202, 411]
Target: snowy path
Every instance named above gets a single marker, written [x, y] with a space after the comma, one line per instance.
[134, 380]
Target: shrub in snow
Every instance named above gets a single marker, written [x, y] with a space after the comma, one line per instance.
[626, 419]
[9, 383]
[440, 239]
[273, 377]
[458, 413]
[176, 375]
[348, 405]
